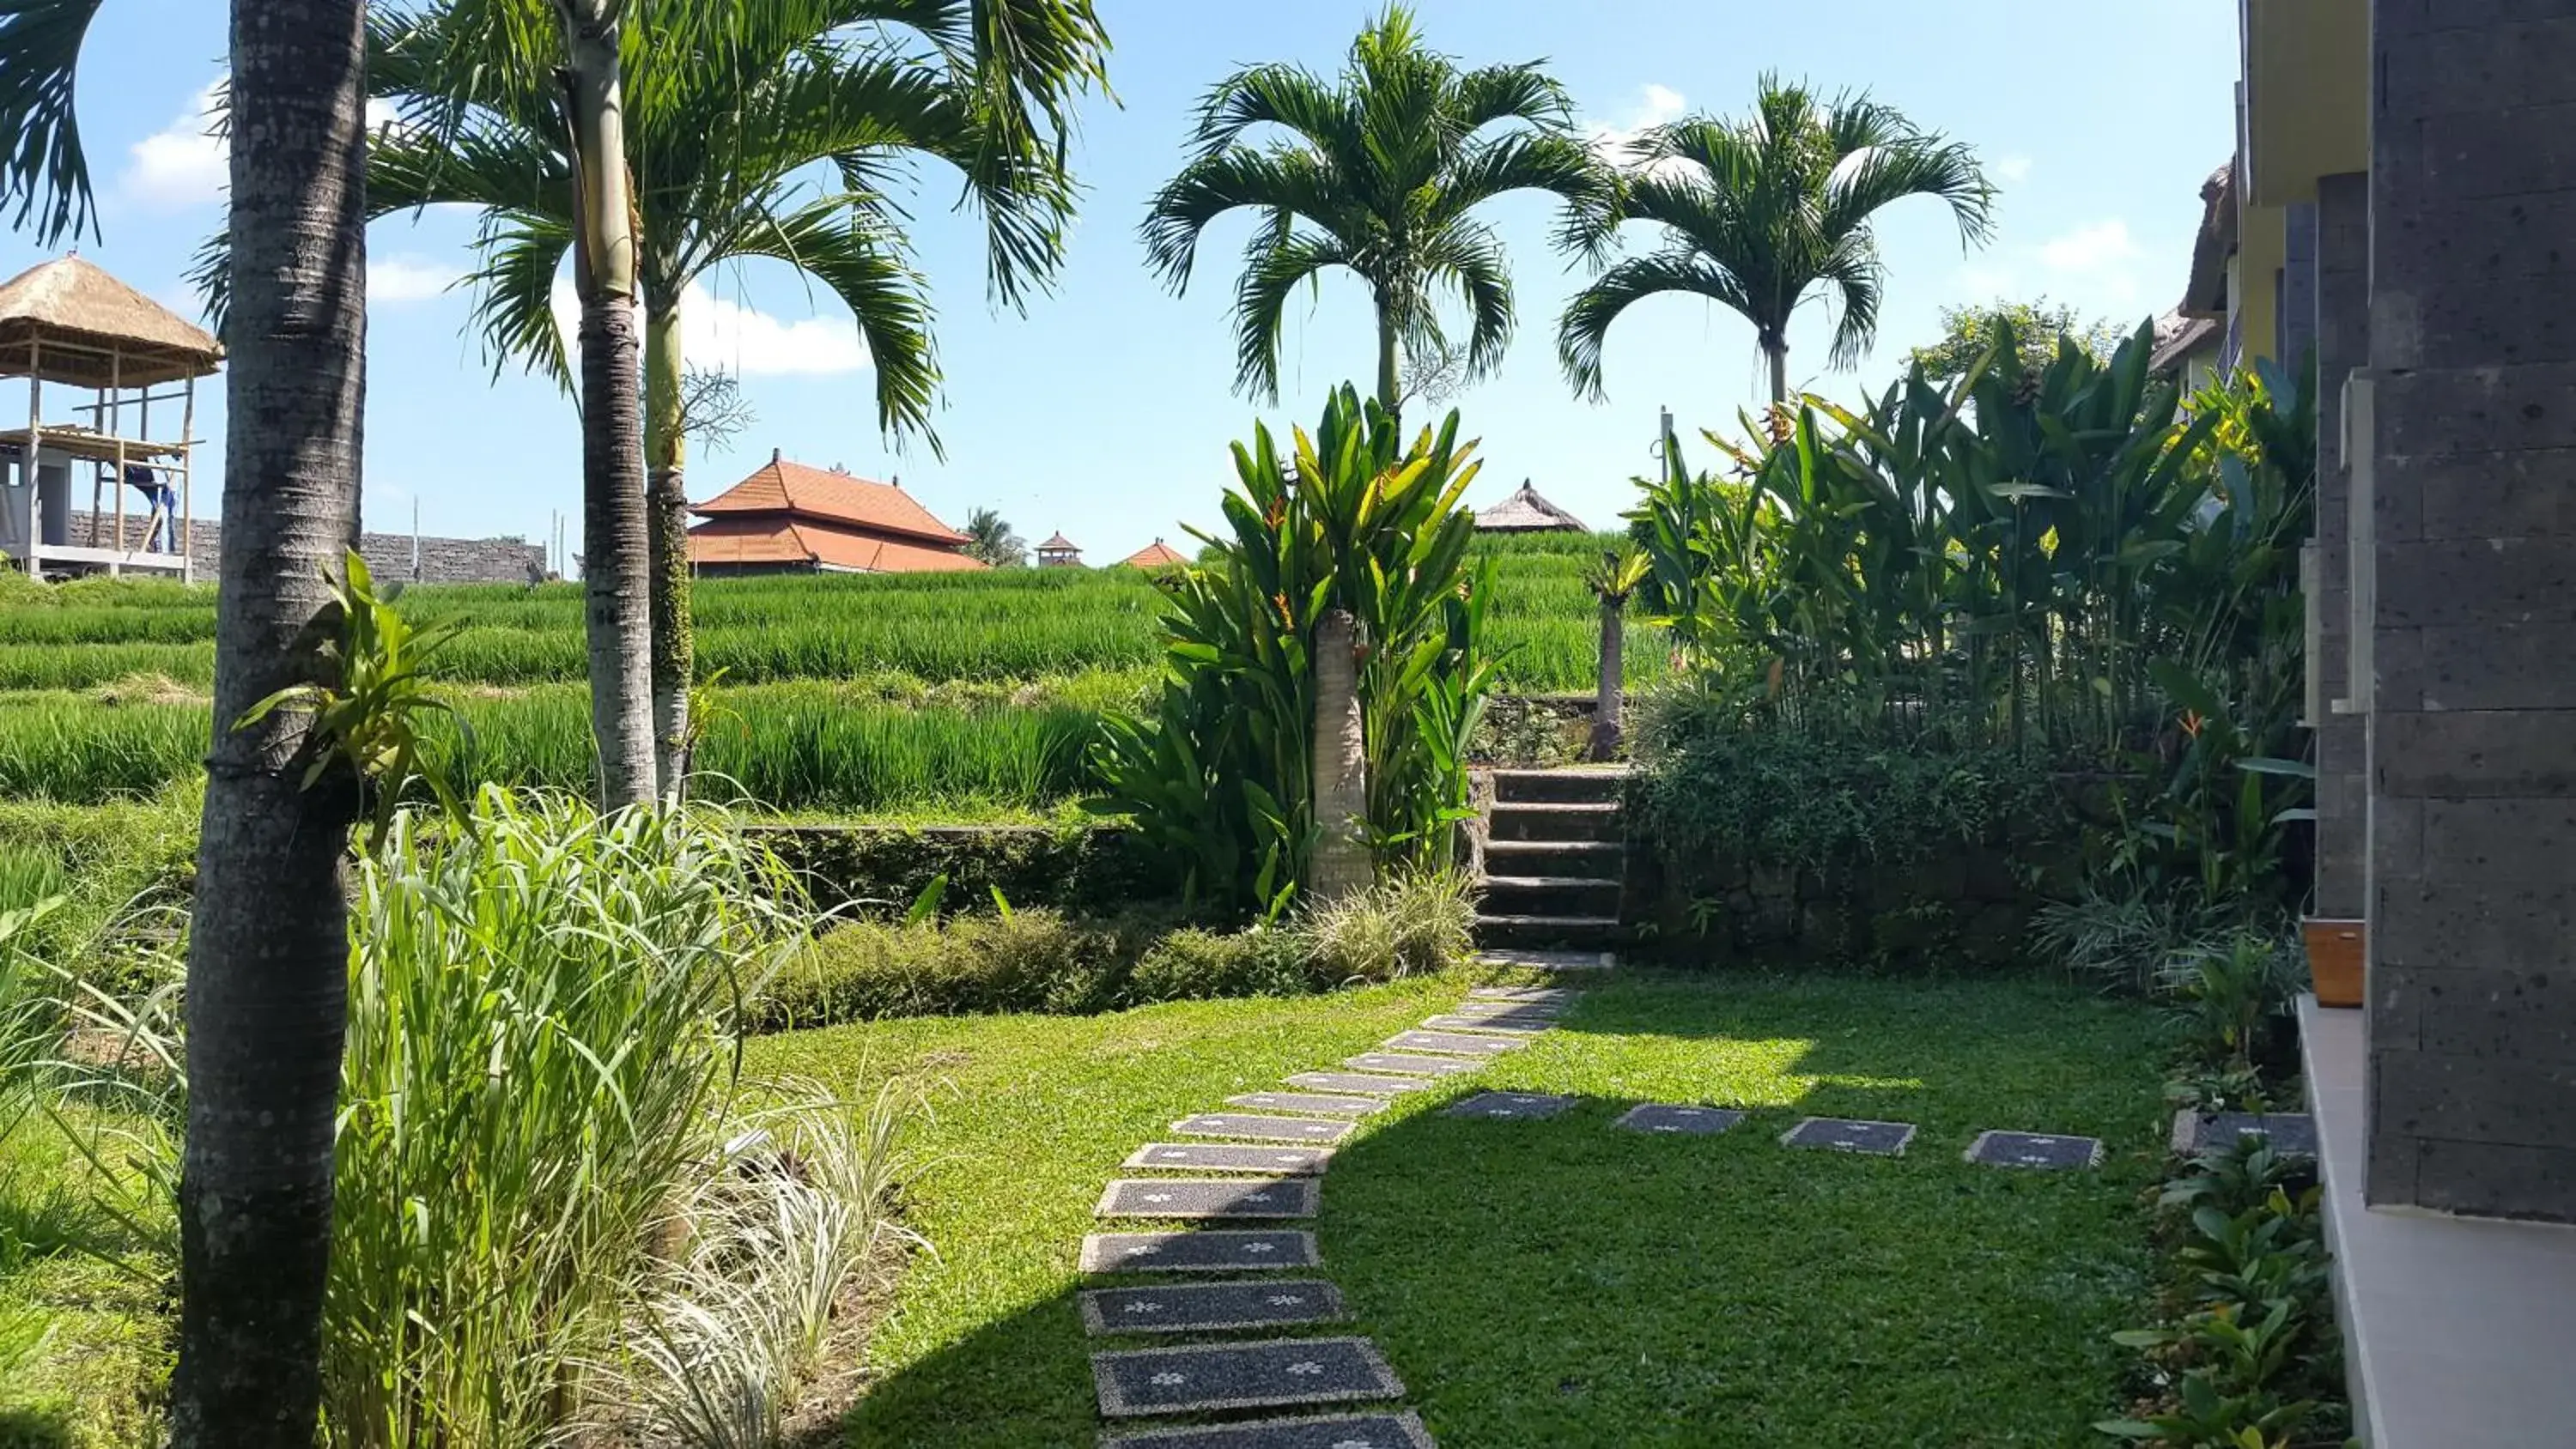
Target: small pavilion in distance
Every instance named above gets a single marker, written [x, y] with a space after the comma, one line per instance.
[70, 324]
[1156, 555]
[1059, 552]
[1526, 512]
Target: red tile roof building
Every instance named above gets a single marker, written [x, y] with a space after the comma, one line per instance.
[1156, 555]
[788, 518]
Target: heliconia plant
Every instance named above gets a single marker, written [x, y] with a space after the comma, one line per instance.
[1351, 520]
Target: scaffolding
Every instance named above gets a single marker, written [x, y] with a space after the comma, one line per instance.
[71, 325]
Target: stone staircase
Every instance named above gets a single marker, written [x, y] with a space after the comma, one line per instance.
[1555, 859]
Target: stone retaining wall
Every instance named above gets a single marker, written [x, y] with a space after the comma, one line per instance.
[388, 555]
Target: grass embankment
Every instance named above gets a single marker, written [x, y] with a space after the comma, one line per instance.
[1556, 1283]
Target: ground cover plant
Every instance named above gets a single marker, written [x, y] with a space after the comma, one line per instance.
[1543, 1284]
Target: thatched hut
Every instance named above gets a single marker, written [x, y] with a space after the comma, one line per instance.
[1526, 512]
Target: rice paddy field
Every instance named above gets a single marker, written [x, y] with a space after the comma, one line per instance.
[963, 696]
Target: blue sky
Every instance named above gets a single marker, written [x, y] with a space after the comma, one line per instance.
[1106, 410]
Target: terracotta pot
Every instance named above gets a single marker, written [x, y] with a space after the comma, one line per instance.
[2335, 954]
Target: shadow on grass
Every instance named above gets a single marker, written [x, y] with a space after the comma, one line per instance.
[1558, 1282]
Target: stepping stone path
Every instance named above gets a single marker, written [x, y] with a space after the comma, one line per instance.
[1334, 1431]
[1698, 1121]
[1218, 1251]
[1284, 1140]
[1263, 1129]
[1319, 1103]
[1879, 1139]
[1211, 1307]
[1205, 1378]
[2291, 1134]
[2046, 1151]
[1525, 995]
[1408, 1062]
[1179, 1197]
[1510, 1106]
[1228, 1157]
[1358, 1082]
[1455, 1042]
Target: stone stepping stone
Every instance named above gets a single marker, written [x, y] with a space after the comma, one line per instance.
[2049, 1152]
[1229, 1157]
[1696, 1121]
[1260, 1128]
[1211, 1307]
[1535, 1010]
[1879, 1139]
[1182, 1197]
[1450, 1041]
[1322, 1103]
[1406, 1062]
[1356, 1082]
[1557, 996]
[2291, 1134]
[1223, 1250]
[1516, 1025]
[1550, 960]
[1330, 1431]
[1509, 1106]
[1241, 1376]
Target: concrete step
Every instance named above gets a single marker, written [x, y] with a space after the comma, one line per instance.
[1589, 859]
[1547, 895]
[1563, 787]
[1548, 933]
[1592, 822]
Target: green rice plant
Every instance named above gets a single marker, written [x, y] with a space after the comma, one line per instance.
[539, 1069]
[86, 666]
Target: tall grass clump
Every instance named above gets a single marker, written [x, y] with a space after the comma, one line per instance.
[540, 1113]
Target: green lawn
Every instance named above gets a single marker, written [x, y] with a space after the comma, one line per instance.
[1557, 1283]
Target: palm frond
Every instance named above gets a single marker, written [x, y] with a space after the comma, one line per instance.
[1470, 258]
[1273, 268]
[865, 267]
[1293, 181]
[1857, 279]
[1512, 93]
[1585, 326]
[45, 170]
[1874, 178]
[521, 255]
[1533, 161]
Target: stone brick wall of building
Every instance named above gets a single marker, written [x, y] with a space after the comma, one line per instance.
[2472, 1010]
[2342, 333]
[388, 555]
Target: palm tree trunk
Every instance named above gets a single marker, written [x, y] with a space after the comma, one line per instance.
[616, 547]
[1777, 351]
[1607, 703]
[664, 452]
[268, 952]
[1341, 866]
[1390, 395]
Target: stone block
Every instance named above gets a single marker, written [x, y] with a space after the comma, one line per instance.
[2396, 840]
[2499, 65]
[2474, 410]
[2500, 1015]
[2473, 1099]
[2492, 666]
[2497, 1180]
[2500, 841]
[2494, 151]
[2388, 1168]
[2454, 582]
[2477, 753]
[2527, 493]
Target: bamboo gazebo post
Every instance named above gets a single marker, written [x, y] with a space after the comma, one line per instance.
[188, 484]
[35, 446]
[113, 421]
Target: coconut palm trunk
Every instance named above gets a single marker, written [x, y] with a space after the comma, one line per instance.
[1775, 350]
[616, 541]
[1608, 702]
[1390, 379]
[268, 949]
[1341, 865]
[665, 445]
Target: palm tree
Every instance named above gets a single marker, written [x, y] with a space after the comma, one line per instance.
[994, 541]
[1618, 576]
[1758, 213]
[732, 112]
[1380, 171]
[268, 946]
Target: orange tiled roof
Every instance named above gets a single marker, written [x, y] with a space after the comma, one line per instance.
[1157, 555]
[780, 486]
[748, 543]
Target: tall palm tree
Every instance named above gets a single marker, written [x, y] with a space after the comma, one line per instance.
[1379, 170]
[760, 130]
[1759, 213]
[268, 945]
[993, 540]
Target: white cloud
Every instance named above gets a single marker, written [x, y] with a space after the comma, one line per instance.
[2012, 170]
[401, 278]
[2103, 246]
[721, 335]
[1616, 141]
[1984, 282]
[183, 164]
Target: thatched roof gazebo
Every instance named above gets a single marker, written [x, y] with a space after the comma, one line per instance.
[1526, 512]
[70, 324]
[1059, 552]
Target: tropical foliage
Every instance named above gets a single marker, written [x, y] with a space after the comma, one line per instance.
[1220, 774]
[1379, 171]
[1757, 214]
